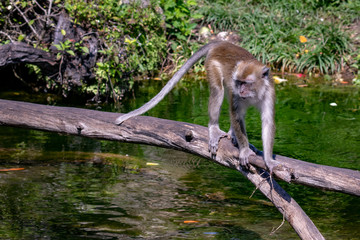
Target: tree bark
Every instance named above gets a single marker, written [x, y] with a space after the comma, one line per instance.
[188, 138]
[18, 52]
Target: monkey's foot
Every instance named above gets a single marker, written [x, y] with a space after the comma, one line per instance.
[244, 155]
[271, 165]
[215, 134]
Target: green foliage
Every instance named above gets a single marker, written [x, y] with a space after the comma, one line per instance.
[178, 14]
[4, 9]
[179, 21]
[64, 47]
[132, 36]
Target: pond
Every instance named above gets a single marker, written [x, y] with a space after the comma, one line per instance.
[66, 187]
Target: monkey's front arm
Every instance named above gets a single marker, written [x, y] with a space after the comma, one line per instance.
[239, 137]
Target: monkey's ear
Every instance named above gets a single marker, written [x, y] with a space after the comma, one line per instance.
[265, 72]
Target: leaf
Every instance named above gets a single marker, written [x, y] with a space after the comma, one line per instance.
[278, 80]
[169, 4]
[67, 43]
[31, 22]
[129, 41]
[303, 39]
[176, 24]
[63, 32]
[197, 16]
[11, 169]
[192, 26]
[152, 164]
[191, 2]
[85, 50]
[71, 52]
[116, 59]
[58, 46]
[21, 37]
[180, 36]
[191, 221]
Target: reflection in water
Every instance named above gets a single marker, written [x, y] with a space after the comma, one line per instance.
[76, 188]
[115, 201]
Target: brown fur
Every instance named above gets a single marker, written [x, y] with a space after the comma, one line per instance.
[247, 82]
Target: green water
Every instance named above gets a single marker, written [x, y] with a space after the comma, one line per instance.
[77, 188]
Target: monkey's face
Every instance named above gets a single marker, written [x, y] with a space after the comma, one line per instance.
[245, 89]
[250, 80]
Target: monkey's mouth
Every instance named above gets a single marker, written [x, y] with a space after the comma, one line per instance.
[245, 97]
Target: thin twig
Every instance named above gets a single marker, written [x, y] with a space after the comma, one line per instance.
[89, 33]
[26, 20]
[258, 186]
[49, 11]
[252, 194]
[115, 96]
[44, 10]
[60, 75]
[7, 35]
[18, 77]
[281, 224]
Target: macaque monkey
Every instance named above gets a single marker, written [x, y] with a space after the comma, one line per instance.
[246, 82]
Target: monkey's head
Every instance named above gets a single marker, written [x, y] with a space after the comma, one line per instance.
[250, 80]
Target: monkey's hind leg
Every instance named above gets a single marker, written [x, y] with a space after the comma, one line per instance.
[215, 134]
[215, 101]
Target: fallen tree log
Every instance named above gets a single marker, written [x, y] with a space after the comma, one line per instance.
[181, 136]
[189, 138]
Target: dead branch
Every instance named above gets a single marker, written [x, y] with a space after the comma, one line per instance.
[18, 52]
[7, 35]
[183, 137]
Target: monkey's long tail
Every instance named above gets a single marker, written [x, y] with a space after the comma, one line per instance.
[169, 85]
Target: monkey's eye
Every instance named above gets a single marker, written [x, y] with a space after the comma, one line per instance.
[238, 83]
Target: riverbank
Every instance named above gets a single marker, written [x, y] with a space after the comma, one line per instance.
[99, 48]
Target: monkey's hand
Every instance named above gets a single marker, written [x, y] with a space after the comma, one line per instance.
[244, 155]
[215, 133]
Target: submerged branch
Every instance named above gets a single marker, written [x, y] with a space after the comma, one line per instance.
[188, 138]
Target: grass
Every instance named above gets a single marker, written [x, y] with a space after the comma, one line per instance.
[271, 31]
